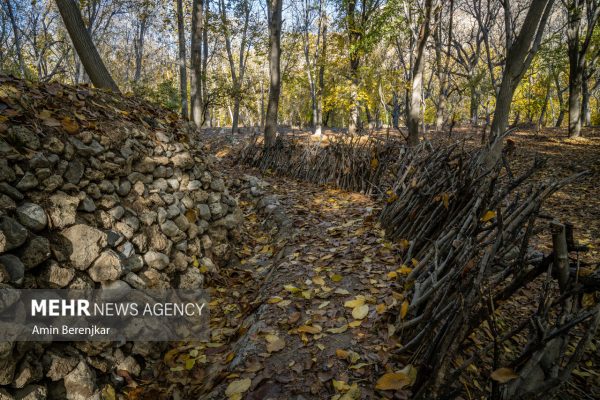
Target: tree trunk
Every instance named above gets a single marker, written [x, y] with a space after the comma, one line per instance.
[575, 89]
[82, 40]
[474, 107]
[182, 69]
[395, 111]
[443, 69]
[586, 114]
[196, 63]
[414, 105]
[321, 77]
[274, 10]
[138, 45]
[15, 28]
[204, 98]
[518, 59]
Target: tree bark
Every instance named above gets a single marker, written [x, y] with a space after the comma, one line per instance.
[182, 69]
[274, 11]
[82, 40]
[518, 59]
[138, 45]
[414, 105]
[321, 77]
[443, 69]
[586, 114]
[196, 112]
[15, 29]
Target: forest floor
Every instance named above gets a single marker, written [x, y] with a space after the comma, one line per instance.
[305, 314]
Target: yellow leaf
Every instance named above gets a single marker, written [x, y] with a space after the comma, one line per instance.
[340, 386]
[314, 329]
[392, 381]
[70, 125]
[445, 200]
[404, 309]
[411, 372]
[274, 343]
[237, 387]
[291, 288]
[274, 300]
[488, 216]
[357, 302]
[374, 163]
[355, 324]
[317, 280]
[189, 363]
[307, 294]
[360, 312]
[336, 277]
[404, 270]
[392, 275]
[503, 375]
[380, 308]
[341, 329]
[404, 244]
[352, 394]
[341, 353]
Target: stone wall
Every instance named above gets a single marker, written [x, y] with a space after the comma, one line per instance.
[135, 208]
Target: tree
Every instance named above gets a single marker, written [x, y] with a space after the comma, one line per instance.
[274, 13]
[182, 67]
[578, 47]
[520, 54]
[17, 36]
[413, 112]
[197, 111]
[82, 40]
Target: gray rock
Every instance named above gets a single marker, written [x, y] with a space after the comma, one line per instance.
[28, 371]
[173, 183]
[62, 210]
[160, 184]
[218, 185]
[117, 212]
[204, 212]
[32, 216]
[194, 185]
[24, 137]
[14, 267]
[60, 366]
[134, 263]
[230, 221]
[12, 234]
[55, 145]
[39, 160]
[35, 252]
[86, 243]
[173, 211]
[52, 183]
[87, 205]
[148, 218]
[10, 191]
[79, 383]
[162, 215]
[28, 182]
[6, 172]
[32, 392]
[170, 229]
[183, 160]
[6, 203]
[74, 172]
[124, 188]
[107, 267]
[182, 222]
[4, 395]
[56, 276]
[191, 279]
[217, 210]
[156, 260]
[106, 187]
[135, 281]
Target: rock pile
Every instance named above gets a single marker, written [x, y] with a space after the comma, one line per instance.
[121, 206]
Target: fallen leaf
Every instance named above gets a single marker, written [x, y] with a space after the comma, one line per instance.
[360, 312]
[237, 387]
[503, 375]
[392, 381]
[314, 329]
[357, 302]
[340, 386]
[380, 308]
[341, 329]
[404, 309]
[70, 125]
[489, 214]
[274, 343]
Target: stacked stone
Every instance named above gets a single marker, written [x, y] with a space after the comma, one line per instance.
[90, 211]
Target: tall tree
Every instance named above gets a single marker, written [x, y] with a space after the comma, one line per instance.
[413, 112]
[578, 45]
[17, 37]
[181, 61]
[197, 112]
[274, 12]
[520, 54]
[82, 40]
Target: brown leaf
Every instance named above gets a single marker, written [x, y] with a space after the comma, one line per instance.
[503, 375]
[392, 381]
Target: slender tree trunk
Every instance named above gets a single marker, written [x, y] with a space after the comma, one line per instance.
[139, 48]
[518, 59]
[575, 92]
[443, 69]
[182, 57]
[17, 36]
[274, 10]
[586, 114]
[321, 77]
[82, 40]
[414, 106]
[395, 110]
[474, 107]
[540, 122]
[204, 98]
[196, 63]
